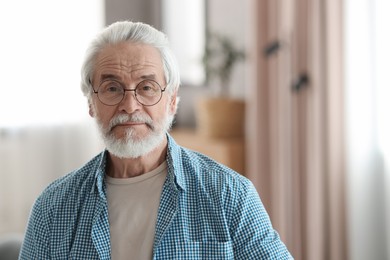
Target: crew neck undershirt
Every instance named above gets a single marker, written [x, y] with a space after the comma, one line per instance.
[132, 212]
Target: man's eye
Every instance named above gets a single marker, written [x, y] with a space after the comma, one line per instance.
[112, 88]
[146, 88]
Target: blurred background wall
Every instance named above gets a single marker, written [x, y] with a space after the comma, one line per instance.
[315, 86]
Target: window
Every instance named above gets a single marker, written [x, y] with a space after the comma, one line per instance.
[184, 21]
[42, 48]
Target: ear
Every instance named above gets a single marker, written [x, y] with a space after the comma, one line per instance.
[91, 110]
[173, 103]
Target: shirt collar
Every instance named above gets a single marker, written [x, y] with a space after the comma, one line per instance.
[175, 165]
[174, 162]
[100, 170]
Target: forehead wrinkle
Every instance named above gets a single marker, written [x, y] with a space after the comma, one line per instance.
[131, 66]
[122, 63]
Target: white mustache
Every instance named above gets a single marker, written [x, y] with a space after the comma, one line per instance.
[125, 118]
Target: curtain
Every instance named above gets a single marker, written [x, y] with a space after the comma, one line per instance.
[43, 134]
[367, 58]
[31, 158]
[296, 124]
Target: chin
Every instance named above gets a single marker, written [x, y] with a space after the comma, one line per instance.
[133, 147]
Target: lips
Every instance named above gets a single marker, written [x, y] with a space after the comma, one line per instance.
[133, 120]
[130, 124]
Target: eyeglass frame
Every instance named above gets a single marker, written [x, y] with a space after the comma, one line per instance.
[162, 90]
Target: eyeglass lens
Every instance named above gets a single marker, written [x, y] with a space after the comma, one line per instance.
[147, 92]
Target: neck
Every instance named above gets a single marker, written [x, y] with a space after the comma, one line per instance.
[132, 167]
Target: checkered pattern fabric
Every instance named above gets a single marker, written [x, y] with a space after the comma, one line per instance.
[207, 211]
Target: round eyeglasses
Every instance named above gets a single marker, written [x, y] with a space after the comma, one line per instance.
[147, 92]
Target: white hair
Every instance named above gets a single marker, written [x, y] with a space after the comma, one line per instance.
[137, 32]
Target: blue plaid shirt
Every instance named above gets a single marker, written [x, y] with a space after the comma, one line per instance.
[207, 211]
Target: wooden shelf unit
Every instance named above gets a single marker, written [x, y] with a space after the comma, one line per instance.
[228, 151]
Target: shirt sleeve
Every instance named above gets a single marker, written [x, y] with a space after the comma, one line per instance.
[252, 232]
[36, 240]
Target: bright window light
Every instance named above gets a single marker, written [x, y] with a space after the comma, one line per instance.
[42, 48]
[382, 43]
[184, 23]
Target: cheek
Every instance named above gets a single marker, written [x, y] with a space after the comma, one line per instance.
[103, 115]
[159, 111]
[165, 111]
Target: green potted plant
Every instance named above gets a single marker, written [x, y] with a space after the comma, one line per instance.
[220, 115]
[219, 59]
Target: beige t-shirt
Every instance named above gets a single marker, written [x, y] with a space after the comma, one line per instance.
[132, 212]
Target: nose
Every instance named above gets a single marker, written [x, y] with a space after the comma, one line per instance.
[129, 103]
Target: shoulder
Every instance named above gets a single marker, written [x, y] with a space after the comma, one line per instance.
[207, 167]
[196, 169]
[73, 184]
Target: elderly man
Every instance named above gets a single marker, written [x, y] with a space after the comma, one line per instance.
[145, 197]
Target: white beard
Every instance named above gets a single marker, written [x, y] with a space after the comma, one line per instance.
[131, 146]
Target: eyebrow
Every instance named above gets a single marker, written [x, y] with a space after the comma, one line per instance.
[149, 76]
[104, 77]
